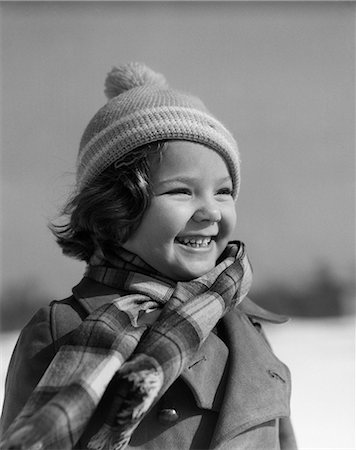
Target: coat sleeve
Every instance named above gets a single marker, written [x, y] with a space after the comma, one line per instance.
[32, 355]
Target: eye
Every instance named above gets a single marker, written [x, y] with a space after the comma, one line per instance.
[179, 191]
[225, 191]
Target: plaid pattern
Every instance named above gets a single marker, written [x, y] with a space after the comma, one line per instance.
[112, 346]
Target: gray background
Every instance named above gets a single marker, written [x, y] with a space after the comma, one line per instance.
[279, 75]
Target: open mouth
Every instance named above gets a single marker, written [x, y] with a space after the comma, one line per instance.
[196, 241]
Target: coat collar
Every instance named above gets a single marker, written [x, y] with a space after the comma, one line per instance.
[92, 295]
[251, 309]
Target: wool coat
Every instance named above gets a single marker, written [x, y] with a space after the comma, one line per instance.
[233, 395]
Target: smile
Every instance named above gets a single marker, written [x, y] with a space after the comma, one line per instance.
[195, 242]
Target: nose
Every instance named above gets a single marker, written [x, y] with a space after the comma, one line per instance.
[207, 214]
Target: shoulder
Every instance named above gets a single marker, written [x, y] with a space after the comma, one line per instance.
[61, 317]
[48, 326]
[64, 317]
[254, 311]
[53, 322]
[35, 336]
[239, 322]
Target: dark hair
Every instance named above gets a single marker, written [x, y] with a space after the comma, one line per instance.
[108, 210]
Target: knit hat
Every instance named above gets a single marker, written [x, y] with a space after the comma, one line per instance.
[142, 109]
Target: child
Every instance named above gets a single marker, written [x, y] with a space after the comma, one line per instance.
[158, 347]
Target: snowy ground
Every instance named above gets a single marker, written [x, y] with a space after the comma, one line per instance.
[321, 356]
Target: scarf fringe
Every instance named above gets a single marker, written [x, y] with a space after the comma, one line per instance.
[108, 439]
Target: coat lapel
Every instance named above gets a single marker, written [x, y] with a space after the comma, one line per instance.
[205, 374]
[258, 384]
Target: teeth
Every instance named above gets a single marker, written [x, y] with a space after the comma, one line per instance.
[195, 242]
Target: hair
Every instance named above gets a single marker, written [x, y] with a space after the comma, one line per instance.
[110, 209]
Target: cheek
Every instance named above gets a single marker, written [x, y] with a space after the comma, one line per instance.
[230, 220]
[167, 219]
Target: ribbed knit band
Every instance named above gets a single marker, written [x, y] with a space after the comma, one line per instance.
[145, 114]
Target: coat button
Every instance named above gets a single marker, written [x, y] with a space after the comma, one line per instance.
[167, 416]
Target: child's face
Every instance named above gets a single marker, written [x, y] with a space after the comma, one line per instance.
[192, 214]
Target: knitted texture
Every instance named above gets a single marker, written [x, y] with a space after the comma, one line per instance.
[142, 109]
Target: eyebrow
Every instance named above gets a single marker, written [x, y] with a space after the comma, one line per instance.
[188, 179]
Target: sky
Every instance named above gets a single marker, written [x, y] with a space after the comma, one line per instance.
[279, 75]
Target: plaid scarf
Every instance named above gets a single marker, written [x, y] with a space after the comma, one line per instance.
[114, 344]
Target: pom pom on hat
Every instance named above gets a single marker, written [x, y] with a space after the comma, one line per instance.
[142, 109]
[131, 75]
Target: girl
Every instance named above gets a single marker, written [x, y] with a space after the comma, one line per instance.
[158, 347]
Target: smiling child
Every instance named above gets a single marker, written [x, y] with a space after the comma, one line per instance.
[159, 346]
